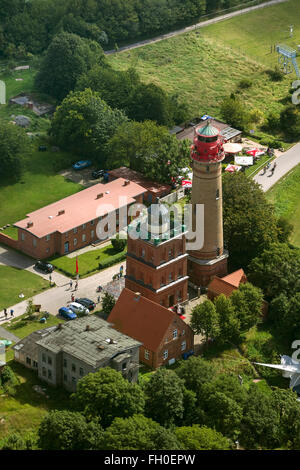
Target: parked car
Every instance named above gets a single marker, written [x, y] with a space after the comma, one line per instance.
[44, 266]
[87, 303]
[82, 164]
[67, 313]
[78, 309]
[98, 173]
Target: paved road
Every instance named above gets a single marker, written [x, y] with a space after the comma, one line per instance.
[286, 162]
[4, 334]
[56, 297]
[202, 24]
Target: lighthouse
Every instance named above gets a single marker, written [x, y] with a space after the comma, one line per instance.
[207, 154]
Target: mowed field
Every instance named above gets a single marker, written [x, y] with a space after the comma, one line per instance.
[285, 195]
[206, 65]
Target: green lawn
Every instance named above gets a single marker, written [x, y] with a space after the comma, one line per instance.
[22, 326]
[88, 263]
[13, 281]
[203, 68]
[285, 195]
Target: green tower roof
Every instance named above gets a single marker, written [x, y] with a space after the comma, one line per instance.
[208, 130]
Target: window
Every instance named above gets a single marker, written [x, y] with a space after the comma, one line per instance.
[75, 230]
[217, 194]
[179, 295]
[67, 234]
[81, 372]
[183, 332]
[75, 241]
[73, 380]
[180, 272]
[35, 364]
[44, 371]
[170, 253]
[65, 378]
[174, 334]
[49, 360]
[28, 361]
[73, 368]
[84, 237]
[170, 277]
[146, 354]
[166, 353]
[183, 345]
[92, 222]
[22, 236]
[44, 357]
[92, 234]
[65, 363]
[48, 237]
[143, 253]
[34, 242]
[49, 374]
[47, 250]
[84, 226]
[124, 365]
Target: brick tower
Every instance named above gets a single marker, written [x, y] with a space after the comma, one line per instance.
[156, 266]
[207, 154]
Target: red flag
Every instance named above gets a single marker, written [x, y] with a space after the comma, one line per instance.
[76, 265]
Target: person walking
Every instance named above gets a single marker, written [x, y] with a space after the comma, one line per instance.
[72, 298]
[11, 313]
[5, 313]
[98, 299]
[71, 284]
[76, 285]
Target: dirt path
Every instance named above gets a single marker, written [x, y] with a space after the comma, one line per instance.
[202, 24]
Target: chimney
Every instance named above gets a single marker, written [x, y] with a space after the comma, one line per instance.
[59, 326]
[126, 183]
[99, 195]
[87, 328]
[137, 296]
[29, 224]
[61, 212]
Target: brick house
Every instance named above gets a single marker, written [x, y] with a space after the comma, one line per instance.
[70, 224]
[165, 337]
[63, 354]
[153, 190]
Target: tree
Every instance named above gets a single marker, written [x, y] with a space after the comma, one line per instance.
[13, 144]
[108, 303]
[223, 413]
[164, 397]
[107, 395]
[84, 122]
[67, 57]
[67, 430]
[249, 220]
[260, 422]
[284, 313]
[247, 301]
[285, 229]
[139, 433]
[233, 112]
[276, 270]
[228, 320]
[150, 102]
[118, 243]
[195, 372]
[197, 437]
[290, 122]
[286, 404]
[205, 320]
[148, 148]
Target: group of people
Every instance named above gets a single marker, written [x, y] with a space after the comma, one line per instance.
[267, 166]
[71, 285]
[6, 313]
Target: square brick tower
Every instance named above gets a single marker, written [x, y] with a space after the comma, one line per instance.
[207, 154]
[156, 266]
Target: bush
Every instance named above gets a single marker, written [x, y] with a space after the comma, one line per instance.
[112, 260]
[118, 243]
[275, 75]
[245, 83]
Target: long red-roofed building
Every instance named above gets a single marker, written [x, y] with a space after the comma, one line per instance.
[70, 224]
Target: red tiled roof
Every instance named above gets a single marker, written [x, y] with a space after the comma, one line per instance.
[227, 284]
[81, 207]
[140, 318]
[138, 178]
[235, 278]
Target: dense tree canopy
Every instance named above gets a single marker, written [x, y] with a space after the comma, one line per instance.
[13, 144]
[84, 122]
[139, 433]
[67, 430]
[249, 222]
[107, 395]
[197, 437]
[67, 57]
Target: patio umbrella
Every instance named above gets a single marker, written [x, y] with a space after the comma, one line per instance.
[232, 148]
[186, 184]
[255, 152]
[232, 168]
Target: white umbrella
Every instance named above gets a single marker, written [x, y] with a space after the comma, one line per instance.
[232, 148]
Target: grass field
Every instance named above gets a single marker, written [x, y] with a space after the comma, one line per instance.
[203, 66]
[22, 326]
[285, 195]
[13, 281]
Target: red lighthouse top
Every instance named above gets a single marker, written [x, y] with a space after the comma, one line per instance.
[208, 144]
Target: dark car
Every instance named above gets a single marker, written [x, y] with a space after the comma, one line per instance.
[67, 313]
[88, 303]
[44, 266]
[98, 173]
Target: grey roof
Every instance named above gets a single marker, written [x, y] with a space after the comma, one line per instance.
[230, 132]
[28, 344]
[22, 121]
[91, 345]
